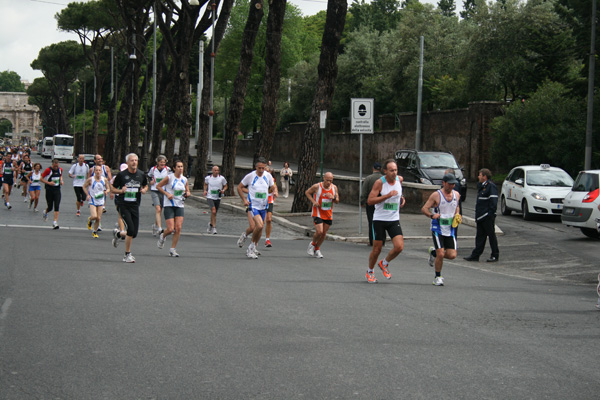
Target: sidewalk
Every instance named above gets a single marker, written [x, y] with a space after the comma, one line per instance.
[345, 220]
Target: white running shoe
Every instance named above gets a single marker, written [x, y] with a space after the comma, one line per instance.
[115, 241]
[438, 281]
[25, 200]
[173, 253]
[45, 216]
[214, 231]
[256, 251]
[311, 249]
[209, 229]
[8, 206]
[431, 256]
[242, 239]
[161, 241]
[129, 258]
[251, 254]
[30, 205]
[318, 254]
[35, 210]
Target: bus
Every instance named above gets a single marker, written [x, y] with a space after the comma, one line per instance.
[47, 147]
[62, 147]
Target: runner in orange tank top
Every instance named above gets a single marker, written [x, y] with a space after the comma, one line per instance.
[322, 196]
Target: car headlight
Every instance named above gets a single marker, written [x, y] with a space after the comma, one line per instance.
[538, 196]
[426, 181]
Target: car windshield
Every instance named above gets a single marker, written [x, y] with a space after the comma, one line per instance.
[439, 160]
[586, 182]
[549, 178]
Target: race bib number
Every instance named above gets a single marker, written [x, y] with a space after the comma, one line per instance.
[131, 194]
[390, 206]
[8, 170]
[56, 181]
[446, 221]
[99, 195]
[79, 177]
[215, 192]
[326, 205]
[260, 195]
[36, 181]
[178, 193]
[158, 180]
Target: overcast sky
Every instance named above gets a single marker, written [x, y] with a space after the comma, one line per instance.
[26, 26]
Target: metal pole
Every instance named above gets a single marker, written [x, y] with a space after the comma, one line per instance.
[420, 98]
[200, 87]
[212, 84]
[112, 66]
[322, 151]
[154, 75]
[590, 103]
[83, 133]
[360, 185]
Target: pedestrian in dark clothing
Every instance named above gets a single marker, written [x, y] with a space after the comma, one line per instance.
[364, 194]
[485, 216]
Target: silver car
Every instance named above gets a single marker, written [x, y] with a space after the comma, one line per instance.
[581, 204]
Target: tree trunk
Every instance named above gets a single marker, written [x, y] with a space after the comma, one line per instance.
[307, 165]
[236, 105]
[96, 120]
[200, 167]
[271, 81]
[163, 86]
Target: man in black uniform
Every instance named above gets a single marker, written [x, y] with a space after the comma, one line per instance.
[485, 216]
[129, 184]
[364, 194]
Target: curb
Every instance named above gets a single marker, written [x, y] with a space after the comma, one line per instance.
[308, 231]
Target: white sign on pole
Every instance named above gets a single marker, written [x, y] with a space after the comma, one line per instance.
[361, 115]
[323, 120]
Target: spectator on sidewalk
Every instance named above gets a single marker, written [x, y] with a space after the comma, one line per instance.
[286, 176]
[367, 186]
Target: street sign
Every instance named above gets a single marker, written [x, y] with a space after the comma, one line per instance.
[323, 119]
[361, 115]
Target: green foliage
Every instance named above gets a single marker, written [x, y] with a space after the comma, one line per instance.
[10, 81]
[549, 127]
[379, 15]
[5, 127]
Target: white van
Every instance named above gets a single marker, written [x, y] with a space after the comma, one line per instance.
[47, 147]
[62, 147]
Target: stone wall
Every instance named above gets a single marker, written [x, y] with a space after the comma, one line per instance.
[464, 132]
[416, 194]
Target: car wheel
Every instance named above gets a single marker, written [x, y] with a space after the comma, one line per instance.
[525, 210]
[503, 208]
[591, 233]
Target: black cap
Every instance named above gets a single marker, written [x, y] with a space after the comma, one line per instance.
[449, 178]
[377, 165]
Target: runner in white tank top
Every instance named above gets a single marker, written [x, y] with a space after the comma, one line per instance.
[442, 209]
[387, 197]
[96, 189]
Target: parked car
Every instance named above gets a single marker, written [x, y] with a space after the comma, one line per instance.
[428, 167]
[89, 160]
[535, 189]
[581, 204]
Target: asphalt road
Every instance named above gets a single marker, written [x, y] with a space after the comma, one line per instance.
[78, 323]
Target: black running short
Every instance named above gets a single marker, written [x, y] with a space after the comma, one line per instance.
[380, 228]
[79, 194]
[53, 197]
[131, 217]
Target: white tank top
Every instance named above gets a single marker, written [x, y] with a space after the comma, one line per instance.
[96, 191]
[446, 209]
[35, 179]
[389, 210]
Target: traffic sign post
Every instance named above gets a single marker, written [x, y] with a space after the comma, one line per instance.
[322, 124]
[361, 121]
